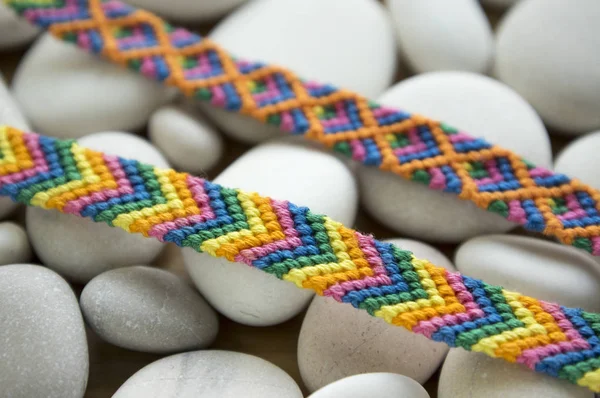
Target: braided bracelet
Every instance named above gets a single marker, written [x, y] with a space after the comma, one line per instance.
[412, 146]
[310, 250]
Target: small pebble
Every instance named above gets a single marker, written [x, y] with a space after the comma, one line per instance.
[370, 385]
[280, 169]
[210, 374]
[189, 142]
[547, 50]
[443, 35]
[68, 93]
[544, 270]
[470, 374]
[413, 208]
[580, 159]
[44, 349]
[149, 310]
[188, 10]
[308, 42]
[14, 245]
[78, 248]
[14, 31]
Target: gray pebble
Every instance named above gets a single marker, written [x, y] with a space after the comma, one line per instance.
[14, 245]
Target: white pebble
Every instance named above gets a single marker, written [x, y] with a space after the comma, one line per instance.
[544, 270]
[356, 52]
[337, 340]
[189, 142]
[14, 31]
[79, 248]
[443, 35]
[188, 10]
[279, 169]
[547, 50]
[380, 385]
[68, 93]
[469, 374]
[477, 105]
[580, 159]
[44, 348]
[14, 245]
[210, 374]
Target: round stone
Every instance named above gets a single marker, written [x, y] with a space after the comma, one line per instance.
[547, 51]
[14, 31]
[443, 35]
[267, 31]
[188, 141]
[208, 374]
[44, 351]
[580, 159]
[380, 385]
[68, 93]
[14, 245]
[188, 10]
[148, 309]
[418, 211]
[280, 169]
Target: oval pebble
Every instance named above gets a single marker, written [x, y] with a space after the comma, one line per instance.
[208, 374]
[544, 270]
[14, 245]
[580, 159]
[547, 50]
[68, 93]
[44, 351]
[79, 248]
[416, 210]
[280, 169]
[470, 374]
[149, 310]
[189, 10]
[14, 31]
[306, 41]
[443, 35]
[380, 385]
[189, 142]
[337, 340]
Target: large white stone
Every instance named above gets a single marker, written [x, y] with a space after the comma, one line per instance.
[337, 340]
[469, 374]
[279, 169]
[547, 50]
[79, 248]
[477, 105]
[580, 159]
[188, 10]
[544, 270]
[210, 374]
[14, 31]
[188, 141]
[346, 43]
[14, 245]
[68, 93]
[443, 35]
[380, 385]
[44, 349]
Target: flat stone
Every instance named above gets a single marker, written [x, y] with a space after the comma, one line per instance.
[14, 245]
[380, 385]
[188, 10]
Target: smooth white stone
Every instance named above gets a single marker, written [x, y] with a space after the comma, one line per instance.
[188, 141]
[473, 103]
[79, 248]
[346, 43]
[14, 31]
[68, 93]
[188, 10]
[547, 50]
[149, 310]
[470, 374]
[443, 35]
[14, 245]
[44, 349]
[279, 169]
[580, 159]
[337, 340]
[544, 270]
[210, 374]
[380, 385]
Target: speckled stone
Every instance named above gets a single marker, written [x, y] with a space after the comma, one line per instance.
[371, 385]
[14, 245]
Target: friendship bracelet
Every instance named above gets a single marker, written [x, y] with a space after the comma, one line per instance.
[310, 250]
[412, 146]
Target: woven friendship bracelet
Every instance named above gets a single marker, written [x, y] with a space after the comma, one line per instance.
[310, 250]
[411, 146]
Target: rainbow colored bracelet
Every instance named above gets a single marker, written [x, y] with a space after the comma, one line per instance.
[310, 250]
[412, 146]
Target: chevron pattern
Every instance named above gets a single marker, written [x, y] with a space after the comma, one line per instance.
[411, 146]
[310, 250]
